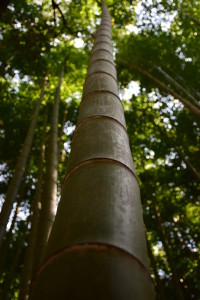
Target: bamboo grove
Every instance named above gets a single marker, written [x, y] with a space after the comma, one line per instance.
[65, 154]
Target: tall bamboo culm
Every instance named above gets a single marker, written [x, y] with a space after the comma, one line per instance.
[19, 170]
[97, 247]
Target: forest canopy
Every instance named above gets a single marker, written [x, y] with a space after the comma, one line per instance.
[156, 46]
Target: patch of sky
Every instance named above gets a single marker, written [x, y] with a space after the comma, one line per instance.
[181, 55]
[16, 80]
[131, 28]
[148, 16]
[22, 215]
[68, 100]
[11, 217]
[149, 153]
[67, 146]
[2, 135]
[161, 273]
[98, 21]
[2, 197]
[66, 37]
[69, 128]
[76, 95]
[55, 42]
[169, 157]
[157, 248]
[167, 106]
[183, 165]
[50, 23]
[132, 89]
[11, 7]
[78, 43]
[19, 26]
[38, 2]
[4, 173]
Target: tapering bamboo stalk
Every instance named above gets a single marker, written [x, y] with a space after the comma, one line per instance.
[31, 252]
[97, 247]
[19, 170]
[49, 195]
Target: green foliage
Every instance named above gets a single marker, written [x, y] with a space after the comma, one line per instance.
[162, 133]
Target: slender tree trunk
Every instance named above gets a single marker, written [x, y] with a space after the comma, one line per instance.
[19, 171]
[97, 247]
[61, 150]
[192, 169]
[164, 238]
[159, 284]
[31, 251]
[5, 246]
[7, 239]
[189, 165]
[178, 86]
[180, 79]
[197, 22]
[60, 142]
[49, 194]
[13, 267]
[62, 125]
[193, 108]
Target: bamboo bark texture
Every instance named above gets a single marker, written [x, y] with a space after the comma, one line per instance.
[19, 170]
[97, 247]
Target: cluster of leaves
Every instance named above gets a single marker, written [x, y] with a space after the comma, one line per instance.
[164, 136]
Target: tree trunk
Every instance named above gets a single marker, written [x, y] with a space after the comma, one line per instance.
[197, 22]
[60, 142]
[159, 284]
[19, 171]
[31, 251]
[13, 267]
[189, 165]
[49, 194]
[62, 125]
[193, 108]
[5, 245]
[177, 85]
[97, 247]
[164, 239]
[8, 237]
